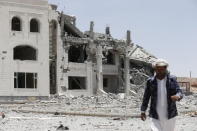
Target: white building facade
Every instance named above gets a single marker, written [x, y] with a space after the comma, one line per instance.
[24, 48]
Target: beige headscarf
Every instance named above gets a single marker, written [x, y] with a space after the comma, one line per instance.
[160, 62]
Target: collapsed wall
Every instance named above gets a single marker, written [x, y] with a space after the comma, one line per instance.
[140, 68]
[87, 63]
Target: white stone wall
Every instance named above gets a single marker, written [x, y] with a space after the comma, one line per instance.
[87, 70]
[9, 39]
[27, 2]
[80, 70]
[54, 15]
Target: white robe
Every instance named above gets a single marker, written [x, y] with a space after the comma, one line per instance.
[163, 124]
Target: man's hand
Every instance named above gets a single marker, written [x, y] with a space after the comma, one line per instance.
[143, 116]
[175, 98]
[2, 114]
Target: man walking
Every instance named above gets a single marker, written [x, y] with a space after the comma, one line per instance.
[164, 91]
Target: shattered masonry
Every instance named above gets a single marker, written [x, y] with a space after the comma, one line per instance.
[92, 63]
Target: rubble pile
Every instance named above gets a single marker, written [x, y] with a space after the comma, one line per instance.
[138, 82]
[138, 77]
[106, 104]
[188, 104]
[99, 101]
[109, 104]
[120, 104]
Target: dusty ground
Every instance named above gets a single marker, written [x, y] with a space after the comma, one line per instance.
[194, 89]
[112, 105]
[35, 122]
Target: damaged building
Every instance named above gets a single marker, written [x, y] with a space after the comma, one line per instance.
[90, 62]
[43, 52]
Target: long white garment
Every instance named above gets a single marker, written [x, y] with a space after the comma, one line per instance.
[163, 124]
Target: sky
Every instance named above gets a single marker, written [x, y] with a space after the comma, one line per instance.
[165, 28]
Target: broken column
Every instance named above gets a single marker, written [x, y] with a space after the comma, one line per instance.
[107, 31]
[91, 30]
[99, 63]
[90, 59]
[126, 63]
[62, 20]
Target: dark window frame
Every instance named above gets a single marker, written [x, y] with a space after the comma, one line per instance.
[105, 82]
[77, 54]
[109, 58]
[17, 80]
[19, 53]
[16, 24]
[74, 82]
[34, 25]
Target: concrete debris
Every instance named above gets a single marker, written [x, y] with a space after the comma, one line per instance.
[138, 77]
[140, 54]
[189, 103]
[101, 92]
[100, 104]
[56, 113]
[109, 109]
[117, 119]
[62, 128]
[138, 82]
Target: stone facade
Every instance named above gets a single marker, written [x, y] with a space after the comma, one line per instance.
[24, 25]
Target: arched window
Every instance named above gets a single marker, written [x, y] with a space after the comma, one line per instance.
[25, 53]
[16, 24]
[34, 25]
